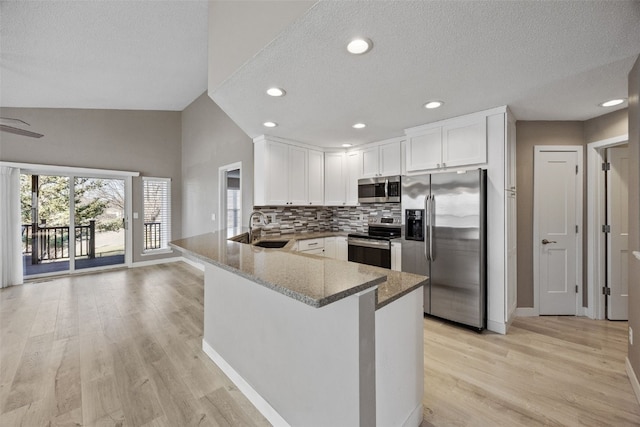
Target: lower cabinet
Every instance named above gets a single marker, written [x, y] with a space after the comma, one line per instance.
[342, 248]
[396, 256]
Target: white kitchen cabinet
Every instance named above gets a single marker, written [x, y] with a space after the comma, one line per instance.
[424, 151]
[396, 256]
[449, 144]
[330, 247]
[464, 142]
[342, 248]
[381, 160]
[297, 177]
[354, 172]
[335, 179]
[287, 174]
[316, 177]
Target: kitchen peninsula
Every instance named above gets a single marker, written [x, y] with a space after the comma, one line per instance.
[311, 340]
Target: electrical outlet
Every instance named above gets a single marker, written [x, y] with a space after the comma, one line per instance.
[361, 217]
[213, 217]
[135, 215]
[273, 218]
[630, 335]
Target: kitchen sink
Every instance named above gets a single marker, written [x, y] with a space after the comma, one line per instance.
[271, 243]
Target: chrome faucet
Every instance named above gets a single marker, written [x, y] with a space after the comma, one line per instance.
[263, 222]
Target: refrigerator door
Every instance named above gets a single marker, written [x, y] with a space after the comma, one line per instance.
[458, 257]
[415, 190]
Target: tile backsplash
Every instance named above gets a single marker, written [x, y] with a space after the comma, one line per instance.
[307, 219]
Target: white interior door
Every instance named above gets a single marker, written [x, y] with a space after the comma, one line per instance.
[618, 237]
[555, 237]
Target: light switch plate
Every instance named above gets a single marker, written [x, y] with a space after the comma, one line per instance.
[135, 215]
[213, 217]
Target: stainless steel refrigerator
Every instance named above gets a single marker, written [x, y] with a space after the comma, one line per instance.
[444, 237]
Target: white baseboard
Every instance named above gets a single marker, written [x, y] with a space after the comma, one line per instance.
[497, 327]
[633, 379]
[156, 261]
[527, 312]
[415, 419]
[193, 263]
[254, 397]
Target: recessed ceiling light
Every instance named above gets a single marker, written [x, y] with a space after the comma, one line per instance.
[346, 145]
[359, 126]
[612, 103]
[433, 104]
[359, 46]
[269, 124]
[275, 91]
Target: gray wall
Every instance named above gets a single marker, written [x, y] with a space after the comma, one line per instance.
[210, 139]
[141, 141]
[530, 134]
[634, 214]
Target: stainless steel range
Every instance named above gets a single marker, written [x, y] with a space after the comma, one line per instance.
[374, 247]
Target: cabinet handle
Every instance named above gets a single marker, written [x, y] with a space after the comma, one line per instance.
[312, 244]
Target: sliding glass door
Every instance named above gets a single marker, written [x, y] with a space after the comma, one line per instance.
[45, 227]
[71, 223]
[99, 222]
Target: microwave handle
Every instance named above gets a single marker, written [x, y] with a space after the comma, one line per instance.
[386, 189]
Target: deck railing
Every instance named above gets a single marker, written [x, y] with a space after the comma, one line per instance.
[152, 235]
[52, 243]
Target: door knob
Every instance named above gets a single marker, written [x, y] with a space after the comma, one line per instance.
[546, 242]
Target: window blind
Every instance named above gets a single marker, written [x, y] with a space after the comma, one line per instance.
[157, 213]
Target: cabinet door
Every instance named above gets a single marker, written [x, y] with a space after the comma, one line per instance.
[342, 249]
[390, 163]
[298, 178]
[316, 177]
[330, 247]
[277, 183]
[465, 142]
[396, 256]
[334, 183]
[424, 151]
[354, 172]
[370, 162]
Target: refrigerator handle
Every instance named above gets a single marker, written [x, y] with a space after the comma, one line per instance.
[427, 237]
[432, 220]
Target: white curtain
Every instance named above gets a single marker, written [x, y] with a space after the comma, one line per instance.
[10, 238]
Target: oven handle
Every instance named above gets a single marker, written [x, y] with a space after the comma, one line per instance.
[369, 243]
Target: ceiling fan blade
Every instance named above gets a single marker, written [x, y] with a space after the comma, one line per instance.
[18, 131]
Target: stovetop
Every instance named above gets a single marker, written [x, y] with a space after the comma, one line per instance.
[381, 228]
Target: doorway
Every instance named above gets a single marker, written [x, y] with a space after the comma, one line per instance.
[557, 226]
[598, 240]
[230, 196]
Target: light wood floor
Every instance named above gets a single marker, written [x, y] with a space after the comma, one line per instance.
[123, 348]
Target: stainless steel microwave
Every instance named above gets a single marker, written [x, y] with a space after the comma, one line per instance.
[384, 189]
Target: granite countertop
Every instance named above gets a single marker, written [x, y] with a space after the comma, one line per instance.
[313, 280]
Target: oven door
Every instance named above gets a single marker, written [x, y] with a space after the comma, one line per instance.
[370, 251]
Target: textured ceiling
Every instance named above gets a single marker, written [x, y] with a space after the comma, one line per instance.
[148, 55]
[546, 60]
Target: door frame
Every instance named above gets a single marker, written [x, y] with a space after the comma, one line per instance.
[72, 172]
[579, 212]
[596, 239]
[222, 193]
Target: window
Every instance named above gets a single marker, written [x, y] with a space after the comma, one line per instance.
[233, 198]
[157, 213]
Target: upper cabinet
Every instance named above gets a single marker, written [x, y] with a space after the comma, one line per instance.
[448, 144]
[286, 174]
[342, 171]
[382, 160]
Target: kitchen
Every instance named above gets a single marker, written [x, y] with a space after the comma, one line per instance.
[195, 153]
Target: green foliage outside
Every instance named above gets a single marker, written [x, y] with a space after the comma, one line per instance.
[92, 199]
